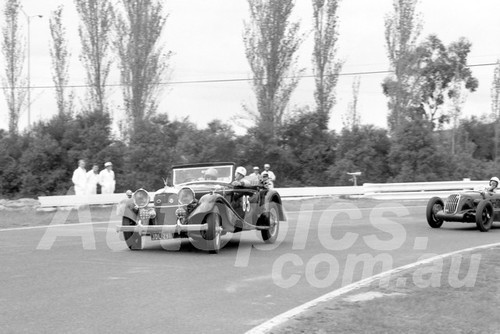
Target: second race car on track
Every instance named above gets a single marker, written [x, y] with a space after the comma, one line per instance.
[202, 204]
[478, 207]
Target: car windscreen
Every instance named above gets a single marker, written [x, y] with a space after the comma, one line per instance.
[221, 173]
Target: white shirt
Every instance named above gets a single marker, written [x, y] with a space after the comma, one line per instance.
[79, 180]
[92, 180]
[107, 181]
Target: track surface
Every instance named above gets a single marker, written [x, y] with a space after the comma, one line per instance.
[82, 278]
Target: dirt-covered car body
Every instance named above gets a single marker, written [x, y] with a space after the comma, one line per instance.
[480, 207]
[201, 208]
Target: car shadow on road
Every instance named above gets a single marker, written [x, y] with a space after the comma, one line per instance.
[230, 244]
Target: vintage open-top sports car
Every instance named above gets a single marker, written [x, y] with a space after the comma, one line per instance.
[201, 204]
[480, 207]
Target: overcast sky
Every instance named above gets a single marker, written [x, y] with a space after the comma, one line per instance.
[206, 39]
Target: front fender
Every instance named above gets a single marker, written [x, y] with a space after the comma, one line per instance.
[272, 196]
[129, 210]
[207, 204]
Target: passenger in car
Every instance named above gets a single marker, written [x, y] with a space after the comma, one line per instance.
[241, 180]
[266, 180]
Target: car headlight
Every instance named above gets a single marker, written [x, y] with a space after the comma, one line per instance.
[141, 198]
[186, 196]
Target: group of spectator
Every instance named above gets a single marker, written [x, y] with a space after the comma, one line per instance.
[87, 182]
[267, 177]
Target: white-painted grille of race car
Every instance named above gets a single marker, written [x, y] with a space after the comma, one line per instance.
[451, 203]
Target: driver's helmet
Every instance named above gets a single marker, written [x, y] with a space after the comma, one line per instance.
[211, 174]
[494, 178]
[241, 170]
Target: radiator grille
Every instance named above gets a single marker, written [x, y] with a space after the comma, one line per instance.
[165, 206]
[451, 204]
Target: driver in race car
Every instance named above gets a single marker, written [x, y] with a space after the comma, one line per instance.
[492, 188]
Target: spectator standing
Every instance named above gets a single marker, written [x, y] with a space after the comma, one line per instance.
[79, 178]
[271, 175]
[107, 179]
[256, 171]
[92, 180]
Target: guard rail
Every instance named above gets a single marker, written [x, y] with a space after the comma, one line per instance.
[379, 191]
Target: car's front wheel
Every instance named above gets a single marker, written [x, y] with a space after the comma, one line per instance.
[132, 239]
[213, 232]
[269, 236]
[434, 205]
[484, 216]
[209, 239]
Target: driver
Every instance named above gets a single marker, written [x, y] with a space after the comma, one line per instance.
[211, 174]
[492, 188]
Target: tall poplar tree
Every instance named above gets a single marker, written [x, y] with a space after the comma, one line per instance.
[326, 66]
[352, 119]
[13, 51]
[402, 28]
[95, 34]
[271, 45]
[495, 105]
[60, 62]
[144, 65]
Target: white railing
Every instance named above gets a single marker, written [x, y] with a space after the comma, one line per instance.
[418, 190]
[381, 191]
[74, 200]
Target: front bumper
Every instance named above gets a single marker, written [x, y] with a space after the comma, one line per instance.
[177, 228]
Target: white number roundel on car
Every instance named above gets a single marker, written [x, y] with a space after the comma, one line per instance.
[245, 203]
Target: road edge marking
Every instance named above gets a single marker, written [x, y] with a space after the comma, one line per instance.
[56, 225]
[267, 326]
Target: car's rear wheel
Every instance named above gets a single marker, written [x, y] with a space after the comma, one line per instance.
[132, 239]
[269, 236]
[434, 205]
[484, 216]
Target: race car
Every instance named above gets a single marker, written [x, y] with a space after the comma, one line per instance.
[480, 207]
[201, 204]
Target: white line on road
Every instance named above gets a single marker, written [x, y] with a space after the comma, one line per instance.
[56, 225]
[117, 221]
[354, 209]
[267, 326]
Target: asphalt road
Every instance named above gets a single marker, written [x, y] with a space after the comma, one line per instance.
[82, 279]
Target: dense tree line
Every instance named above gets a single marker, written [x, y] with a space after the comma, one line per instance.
[41, 162]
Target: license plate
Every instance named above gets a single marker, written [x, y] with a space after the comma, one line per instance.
[160, 236]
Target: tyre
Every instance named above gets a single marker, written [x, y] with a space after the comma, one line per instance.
[269, 236]
[484, 216]
[210, 239]
[434, 205]
[132, 239]
[213, 233]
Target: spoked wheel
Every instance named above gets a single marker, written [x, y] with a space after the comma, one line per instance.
[269, 236]
[434, 205]
[484, 216]
[210, 239]
[132, 239]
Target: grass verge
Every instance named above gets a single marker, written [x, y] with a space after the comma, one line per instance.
[460, 294]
